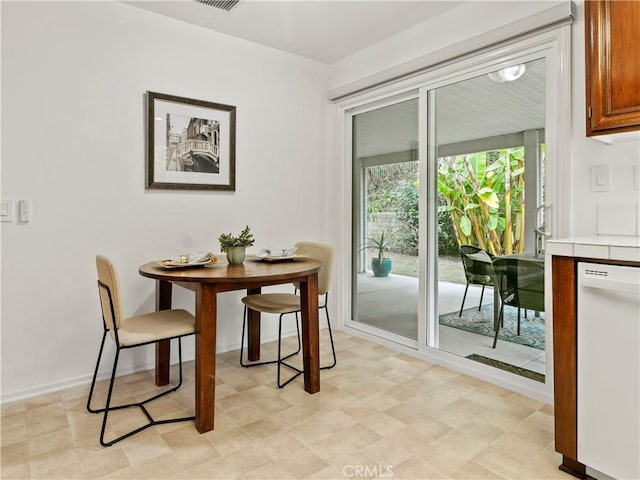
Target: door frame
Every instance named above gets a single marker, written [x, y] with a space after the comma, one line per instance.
[553, 44]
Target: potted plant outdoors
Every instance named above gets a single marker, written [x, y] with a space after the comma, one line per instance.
[380, 264]
[236, 246]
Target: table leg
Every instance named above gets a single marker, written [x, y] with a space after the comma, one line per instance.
[310, 333]
[205, 381]
[163, 348]
[253, 330]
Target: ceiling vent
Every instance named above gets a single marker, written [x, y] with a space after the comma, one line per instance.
[225, 5]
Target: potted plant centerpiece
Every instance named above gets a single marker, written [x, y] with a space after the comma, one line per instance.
[380, 264]
[236, 246]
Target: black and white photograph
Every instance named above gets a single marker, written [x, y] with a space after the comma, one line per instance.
[191, 144]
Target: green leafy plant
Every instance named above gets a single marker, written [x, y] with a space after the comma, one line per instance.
[483, 193]
[245, 239]
[380, 244]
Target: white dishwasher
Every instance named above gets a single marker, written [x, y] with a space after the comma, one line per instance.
[608, 407]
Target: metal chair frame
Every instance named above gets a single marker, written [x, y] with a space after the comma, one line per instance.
[507, 284]
[485, 269]
[151, 421]
[281, 360]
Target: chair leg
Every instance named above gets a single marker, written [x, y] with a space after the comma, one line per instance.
[333, 348]
[150, 420]
[95, 374]
[497, 325]
[281, 360]
[253, 364]
[463, 299]
[481, 295]
[519, 321]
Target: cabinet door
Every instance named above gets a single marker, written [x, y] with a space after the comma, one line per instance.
[612, 66]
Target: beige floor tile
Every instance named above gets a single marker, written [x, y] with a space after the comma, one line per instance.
[123, 474]
[15, 472]
[15, 454]
[195, 453]
[418, 469]
[263, 428]
[431, 428]
[66, 472]
[46, 442]
[312, 430]
[144, 446]
[230, 441]
[543, 465]
[347, 464]
[517, 446]
[13, 429]
[234, 465]
[12, 408]
[379, 413]
[282, 445]
[387, 452]
[474, 471]
[499, 461]
[301, 465]
[98, 463]
[43, 400]
[163, 466]
[42, 466]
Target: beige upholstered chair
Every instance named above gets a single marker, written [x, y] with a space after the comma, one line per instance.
[284, 303]
[134, 332]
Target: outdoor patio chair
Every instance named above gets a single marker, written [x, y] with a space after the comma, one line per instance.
[285, 303]
[478, 270]
[520, 283]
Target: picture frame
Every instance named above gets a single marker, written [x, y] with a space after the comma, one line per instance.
[191, 144]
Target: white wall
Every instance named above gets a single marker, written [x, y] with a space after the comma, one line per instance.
[73, 80]
[621, 156]
[474, 18]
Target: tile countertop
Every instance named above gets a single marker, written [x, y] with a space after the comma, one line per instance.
[605, 247]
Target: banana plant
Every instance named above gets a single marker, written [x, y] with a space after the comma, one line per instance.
[484, 195]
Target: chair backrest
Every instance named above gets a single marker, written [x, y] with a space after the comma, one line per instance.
[520, 282]
[478, 264]
[109, 296]
[324, 253]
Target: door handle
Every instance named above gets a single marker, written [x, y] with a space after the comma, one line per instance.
[541, 229]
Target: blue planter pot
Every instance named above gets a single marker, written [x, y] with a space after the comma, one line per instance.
[381, 269]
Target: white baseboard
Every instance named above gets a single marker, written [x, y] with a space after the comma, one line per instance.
[36, 391]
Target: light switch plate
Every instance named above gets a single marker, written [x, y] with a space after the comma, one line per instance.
[600, 178]
[6, 210]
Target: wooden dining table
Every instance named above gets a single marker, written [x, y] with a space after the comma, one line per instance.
[207, 281]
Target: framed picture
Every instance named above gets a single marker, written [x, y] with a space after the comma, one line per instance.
[191, 144]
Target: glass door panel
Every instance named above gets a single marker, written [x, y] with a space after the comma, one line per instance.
[385, 213]
[489, 157]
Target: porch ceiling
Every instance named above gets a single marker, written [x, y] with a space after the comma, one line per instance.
[469, 110]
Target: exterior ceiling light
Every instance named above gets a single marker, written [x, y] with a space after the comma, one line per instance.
[508, 74]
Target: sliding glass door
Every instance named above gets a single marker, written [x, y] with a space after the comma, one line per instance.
[385, 219]
[489, 162]
[475, 188]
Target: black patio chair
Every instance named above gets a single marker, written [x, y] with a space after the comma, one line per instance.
[478, 270]
[520, 283]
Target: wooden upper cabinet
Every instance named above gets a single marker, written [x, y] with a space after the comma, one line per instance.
[612, 66]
